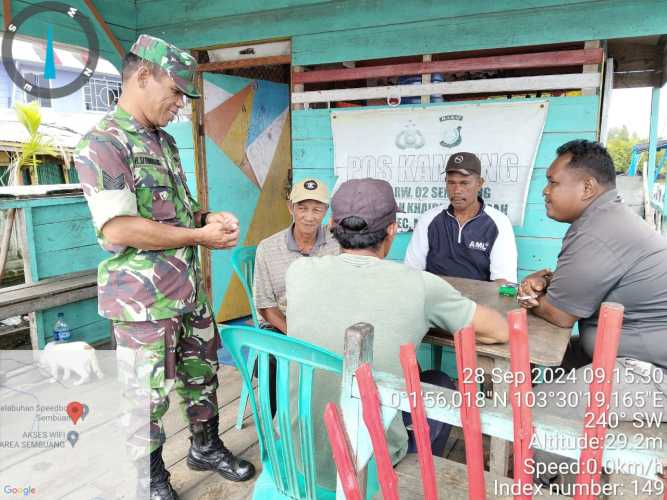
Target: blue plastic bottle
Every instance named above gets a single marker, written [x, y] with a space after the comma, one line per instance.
[417, 79]
[61, 331]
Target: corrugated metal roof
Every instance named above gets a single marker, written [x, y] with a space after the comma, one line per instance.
[66, 129]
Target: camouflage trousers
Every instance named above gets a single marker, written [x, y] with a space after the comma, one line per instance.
[143, 368]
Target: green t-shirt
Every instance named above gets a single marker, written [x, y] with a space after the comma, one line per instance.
[326, 295]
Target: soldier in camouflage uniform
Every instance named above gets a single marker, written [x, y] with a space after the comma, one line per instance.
[151, 287]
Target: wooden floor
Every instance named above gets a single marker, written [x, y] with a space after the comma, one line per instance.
[192, 485]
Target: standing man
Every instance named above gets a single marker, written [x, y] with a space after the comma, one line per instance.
[468, 239]
[609, 254]
[151, 287]
[327, 294]
[306, 237]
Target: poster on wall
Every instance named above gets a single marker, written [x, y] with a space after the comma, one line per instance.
[409, 148]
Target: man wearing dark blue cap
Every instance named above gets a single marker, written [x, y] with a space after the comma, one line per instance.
[325, 295]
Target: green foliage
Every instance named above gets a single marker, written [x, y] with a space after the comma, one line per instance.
[619, 144]
[37, 144]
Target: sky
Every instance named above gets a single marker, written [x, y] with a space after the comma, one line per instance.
[632, 107]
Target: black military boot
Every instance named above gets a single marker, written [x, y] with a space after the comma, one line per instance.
[208, 453]
[160, 487]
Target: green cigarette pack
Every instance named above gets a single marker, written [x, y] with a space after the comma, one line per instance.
[508, 289]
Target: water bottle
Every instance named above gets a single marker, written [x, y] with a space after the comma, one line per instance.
[61, 331]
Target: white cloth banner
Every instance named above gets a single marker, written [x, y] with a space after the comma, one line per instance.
[410, 147]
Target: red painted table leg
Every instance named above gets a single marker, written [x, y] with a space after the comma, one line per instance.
[341, 452]
[520, 390]
[595, 418]
[370, 403]
[420, 426]
[466, 364]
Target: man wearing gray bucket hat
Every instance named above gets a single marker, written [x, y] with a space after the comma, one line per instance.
[325, 295]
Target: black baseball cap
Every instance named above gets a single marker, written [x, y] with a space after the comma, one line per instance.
[369, 199]
[464, 163]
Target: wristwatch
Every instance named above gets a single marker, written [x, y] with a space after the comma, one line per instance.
[202, 218]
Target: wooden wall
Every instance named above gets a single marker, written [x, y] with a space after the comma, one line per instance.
[538, 240]
[325, 31]
[60, 239]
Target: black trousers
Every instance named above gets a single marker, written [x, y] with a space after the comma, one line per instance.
[438, 431]
[272, 372]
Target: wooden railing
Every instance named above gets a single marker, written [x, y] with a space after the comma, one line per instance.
[375, 398]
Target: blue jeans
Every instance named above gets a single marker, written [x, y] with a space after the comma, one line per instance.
[438, 431]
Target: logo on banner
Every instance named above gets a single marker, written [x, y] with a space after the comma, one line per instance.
[410, 137]
[452, 131]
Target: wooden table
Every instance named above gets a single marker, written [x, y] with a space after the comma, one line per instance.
[547, 344]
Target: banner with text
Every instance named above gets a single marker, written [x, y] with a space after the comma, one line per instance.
[410, 147]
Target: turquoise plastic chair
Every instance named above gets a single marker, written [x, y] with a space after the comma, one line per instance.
[243, 264]
[280, 477]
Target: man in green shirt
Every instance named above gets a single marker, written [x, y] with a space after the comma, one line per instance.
[325, 295]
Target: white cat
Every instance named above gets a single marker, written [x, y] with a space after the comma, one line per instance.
[77, 357]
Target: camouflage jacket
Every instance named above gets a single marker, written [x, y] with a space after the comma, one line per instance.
[127, 169]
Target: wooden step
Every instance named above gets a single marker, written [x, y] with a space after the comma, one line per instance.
[452, 480]
[47, 293]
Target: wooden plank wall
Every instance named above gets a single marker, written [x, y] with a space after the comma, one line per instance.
[61, 240]
[538, 240]
[182, 132]
[348, 30]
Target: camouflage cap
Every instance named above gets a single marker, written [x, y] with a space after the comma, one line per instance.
[178, 64]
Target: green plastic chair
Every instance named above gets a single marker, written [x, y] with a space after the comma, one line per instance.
[280, 477]
[243, 264]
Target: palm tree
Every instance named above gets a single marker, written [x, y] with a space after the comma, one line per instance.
[37, 145]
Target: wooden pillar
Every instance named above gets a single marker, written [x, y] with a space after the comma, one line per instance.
[358, 350]
[606, 99]
[105, 27]
[653, 137]
[591, 68]
[199, 142]
[7, 13]
[297, 87]
[426, 78]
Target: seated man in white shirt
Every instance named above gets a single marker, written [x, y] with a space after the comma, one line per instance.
[467, 239]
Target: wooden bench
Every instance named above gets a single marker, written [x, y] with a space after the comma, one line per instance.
[47, 293]
[453, 478]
